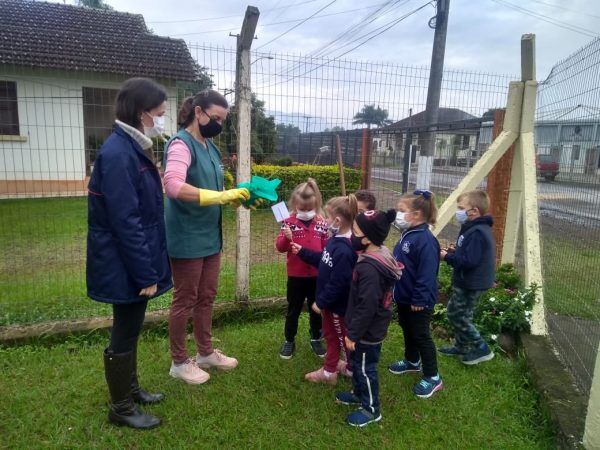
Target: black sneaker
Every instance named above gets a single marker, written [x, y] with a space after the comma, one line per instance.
[318, 348]
[478, 355]
[287, 350]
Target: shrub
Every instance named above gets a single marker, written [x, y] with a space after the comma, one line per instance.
[284, 161]
[505, 308]
[228, 179]
[327, 178]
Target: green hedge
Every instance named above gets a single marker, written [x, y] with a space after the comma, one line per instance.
[328, 178]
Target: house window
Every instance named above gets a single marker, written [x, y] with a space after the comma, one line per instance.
[98, 120]
[9, 112]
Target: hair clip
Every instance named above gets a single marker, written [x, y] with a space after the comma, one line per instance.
[424, 192]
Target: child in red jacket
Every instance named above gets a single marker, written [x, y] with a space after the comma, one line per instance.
[306, 227]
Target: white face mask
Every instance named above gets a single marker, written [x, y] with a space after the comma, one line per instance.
[334, 227]
[306, 215]
[461, 216]
[401, 221]
[158, 129]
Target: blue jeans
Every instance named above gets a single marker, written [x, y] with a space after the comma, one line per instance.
[460, 314]
[364, 375]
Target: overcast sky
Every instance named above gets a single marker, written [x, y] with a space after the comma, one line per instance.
[482, 34]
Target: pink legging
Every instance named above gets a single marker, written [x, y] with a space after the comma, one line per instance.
[334, 330]
[196, 282]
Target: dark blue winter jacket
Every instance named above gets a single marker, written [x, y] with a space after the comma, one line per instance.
[419, 251]
[336, 264]
[474, 260]
[126, 243]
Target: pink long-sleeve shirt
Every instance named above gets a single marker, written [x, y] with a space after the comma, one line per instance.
[179, 159]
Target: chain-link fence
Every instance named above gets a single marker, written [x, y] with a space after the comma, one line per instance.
[568, 162]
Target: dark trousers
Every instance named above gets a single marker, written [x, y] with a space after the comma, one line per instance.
[298, 290]
[365, 384]
[127, 325]
[418, 344]
[461, 307]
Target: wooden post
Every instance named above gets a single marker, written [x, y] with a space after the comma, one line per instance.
[244, 108]
[498, 185]
[340, 161]
[365, 160]
[591, 435]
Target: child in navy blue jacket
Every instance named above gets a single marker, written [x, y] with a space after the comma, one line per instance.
[416, 292]
[335, 265]
[473, 260]
[369, 312]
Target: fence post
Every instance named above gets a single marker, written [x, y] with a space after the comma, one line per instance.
[365, 159]
[244, 109]
[407, 161]
[498, 185]
[591, 435]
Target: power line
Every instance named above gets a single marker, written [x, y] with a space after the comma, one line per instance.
[583, 13]
[297, 25]
[276, 23]
[368, 19]
[380, 30]
[206, 19]
[565, 25]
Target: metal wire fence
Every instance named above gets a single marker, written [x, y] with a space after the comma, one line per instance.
[53, 123]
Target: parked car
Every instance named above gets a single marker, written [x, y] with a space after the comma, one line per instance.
[547, 166]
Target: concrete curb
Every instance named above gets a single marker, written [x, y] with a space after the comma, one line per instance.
[566, 405]
[15, 334]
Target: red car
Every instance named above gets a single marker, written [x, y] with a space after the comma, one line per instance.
[547, 166]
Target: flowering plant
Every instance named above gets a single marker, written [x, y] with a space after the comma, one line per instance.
[502, 309]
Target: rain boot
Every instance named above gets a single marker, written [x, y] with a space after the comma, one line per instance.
[138, 394]
[123, 411]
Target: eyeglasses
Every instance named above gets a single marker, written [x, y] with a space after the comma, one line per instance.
[425, 193]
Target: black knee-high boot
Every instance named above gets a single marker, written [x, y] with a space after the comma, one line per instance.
[123, 411]
[140, 395]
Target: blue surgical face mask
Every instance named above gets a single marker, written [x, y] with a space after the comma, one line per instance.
[461, 216]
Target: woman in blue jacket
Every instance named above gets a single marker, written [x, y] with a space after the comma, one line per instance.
[127, 262]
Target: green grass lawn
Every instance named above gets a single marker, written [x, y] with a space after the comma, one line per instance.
[55, 397]
[570, 269]
[42, 261]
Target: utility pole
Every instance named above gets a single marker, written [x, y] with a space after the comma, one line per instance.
[243, 98]
[427, 139]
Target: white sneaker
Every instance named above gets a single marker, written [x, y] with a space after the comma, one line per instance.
[189, 372]
[216, 359]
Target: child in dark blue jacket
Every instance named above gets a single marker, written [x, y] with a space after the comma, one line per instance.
[369, 312]
[416, 292]
[335, 265]
[473, 260]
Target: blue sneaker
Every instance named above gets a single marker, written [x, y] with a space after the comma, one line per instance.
[450, 351]
[347, 398]
[362, 418]
[427, 387]
[480, 354]
[403, 366]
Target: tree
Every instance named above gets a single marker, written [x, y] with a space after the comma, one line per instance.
[335, 129]
[371, 115]
[96, 4]
[263, 137]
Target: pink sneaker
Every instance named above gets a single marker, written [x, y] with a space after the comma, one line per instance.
[189, 372]
[342, 369]
[322, 376]
[216, 359]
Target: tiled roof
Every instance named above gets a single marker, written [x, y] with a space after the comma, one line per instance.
[445, 115]
[57, 36]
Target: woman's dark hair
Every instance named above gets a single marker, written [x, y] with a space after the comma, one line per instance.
[136, 96]
[204, 99]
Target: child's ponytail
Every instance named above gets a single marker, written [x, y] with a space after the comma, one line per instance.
[423, 201]
[307, 191]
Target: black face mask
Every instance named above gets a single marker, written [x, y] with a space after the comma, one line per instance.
[357, 243]
[211, 129]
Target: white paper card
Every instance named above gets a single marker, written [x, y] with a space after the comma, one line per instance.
[280, 211]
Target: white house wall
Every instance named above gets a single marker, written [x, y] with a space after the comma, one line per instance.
[51, 121]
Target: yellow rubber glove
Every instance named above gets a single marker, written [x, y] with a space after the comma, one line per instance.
[208, 197]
